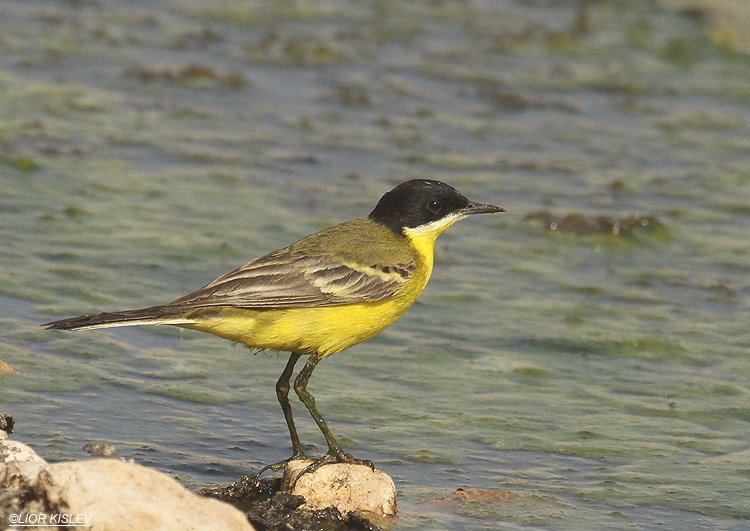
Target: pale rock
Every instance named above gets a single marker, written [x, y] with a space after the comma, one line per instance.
[21, 459]
[347, 487]
[113, 494]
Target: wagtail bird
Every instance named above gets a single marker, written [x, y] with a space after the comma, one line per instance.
[320, 295]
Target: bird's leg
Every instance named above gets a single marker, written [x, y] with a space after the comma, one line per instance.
[335, 454]
[282, 393]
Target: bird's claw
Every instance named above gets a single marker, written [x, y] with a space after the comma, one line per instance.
[280, 464]
[332, 456]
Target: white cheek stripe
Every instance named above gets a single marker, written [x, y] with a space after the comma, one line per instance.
[433, 227]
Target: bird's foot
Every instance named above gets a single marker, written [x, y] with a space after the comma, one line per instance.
[332, 456]
[280, 464]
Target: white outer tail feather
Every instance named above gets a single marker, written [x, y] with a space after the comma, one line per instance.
[138, 322]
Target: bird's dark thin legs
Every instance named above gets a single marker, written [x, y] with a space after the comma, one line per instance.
[282, 393]
[300, 387]
[335, 454]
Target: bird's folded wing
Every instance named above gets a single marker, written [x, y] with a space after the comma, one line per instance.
[286, 280]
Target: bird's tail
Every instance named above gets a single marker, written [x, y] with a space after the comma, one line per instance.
[155, 315]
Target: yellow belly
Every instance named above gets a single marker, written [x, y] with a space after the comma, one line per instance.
[320, 330]
[323, 331]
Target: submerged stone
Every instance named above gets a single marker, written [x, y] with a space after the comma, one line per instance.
[582, 225]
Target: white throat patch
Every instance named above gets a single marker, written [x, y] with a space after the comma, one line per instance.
[433, 228]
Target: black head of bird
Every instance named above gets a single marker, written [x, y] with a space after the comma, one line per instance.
[420, 202]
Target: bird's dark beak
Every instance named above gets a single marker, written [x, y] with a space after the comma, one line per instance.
[478, 208]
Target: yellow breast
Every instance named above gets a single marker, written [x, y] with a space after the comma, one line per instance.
[327, 330]
[322, 330]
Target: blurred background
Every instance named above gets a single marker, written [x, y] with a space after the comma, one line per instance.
[589, 350]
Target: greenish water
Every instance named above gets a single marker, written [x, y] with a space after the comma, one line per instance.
[146, 148]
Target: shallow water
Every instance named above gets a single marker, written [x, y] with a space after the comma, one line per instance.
[146, 148]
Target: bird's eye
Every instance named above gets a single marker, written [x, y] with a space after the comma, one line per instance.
[434, 206]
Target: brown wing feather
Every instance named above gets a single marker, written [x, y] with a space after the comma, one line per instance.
[283, 279]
